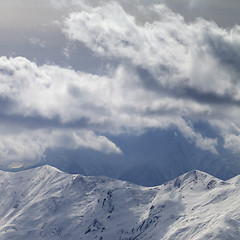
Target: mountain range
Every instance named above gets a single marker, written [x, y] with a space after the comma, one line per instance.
[45, 203]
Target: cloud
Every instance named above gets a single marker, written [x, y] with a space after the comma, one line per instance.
[198, 55]
[230, 133]
[201, 142]
[193, 63]
[113, 103]
[37, 41]
[99, 143]
[232, 142]
[21, 147]
[162, 71]
[81, 139]
[29, 146]
[52, 92]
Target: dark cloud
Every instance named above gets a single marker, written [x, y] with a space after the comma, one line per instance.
[5, 103]
[37, 122]
[208, 98]
[184, 92]
[227, 51]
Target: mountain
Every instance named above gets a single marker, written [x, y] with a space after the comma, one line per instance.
[45, 203]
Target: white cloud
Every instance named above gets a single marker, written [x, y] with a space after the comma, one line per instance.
[21, 147]
[109, 104]
[29, 146]
[232, 142]
[89, 140]
[201, 142]
[166, 69]
[81, 139]
[193, 55]
[51, 91]
[230, 133]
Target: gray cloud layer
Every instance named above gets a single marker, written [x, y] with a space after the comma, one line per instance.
[160, 70]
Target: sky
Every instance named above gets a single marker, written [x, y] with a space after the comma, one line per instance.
[98, 78]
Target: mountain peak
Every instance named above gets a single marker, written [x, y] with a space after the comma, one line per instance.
[196, 178]
[48, 168]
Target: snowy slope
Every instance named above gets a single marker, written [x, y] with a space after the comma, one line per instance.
[45, 203]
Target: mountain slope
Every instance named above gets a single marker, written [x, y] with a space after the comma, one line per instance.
[45, 203]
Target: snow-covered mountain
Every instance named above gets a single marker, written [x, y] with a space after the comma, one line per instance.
[45, 203]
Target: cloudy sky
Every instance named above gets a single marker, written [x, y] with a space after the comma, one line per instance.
[84, 75]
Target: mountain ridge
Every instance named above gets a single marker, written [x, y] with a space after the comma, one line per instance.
[45, 203]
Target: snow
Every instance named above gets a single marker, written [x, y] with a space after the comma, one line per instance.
[45, 203]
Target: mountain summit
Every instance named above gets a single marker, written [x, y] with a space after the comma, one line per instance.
[45, 203]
